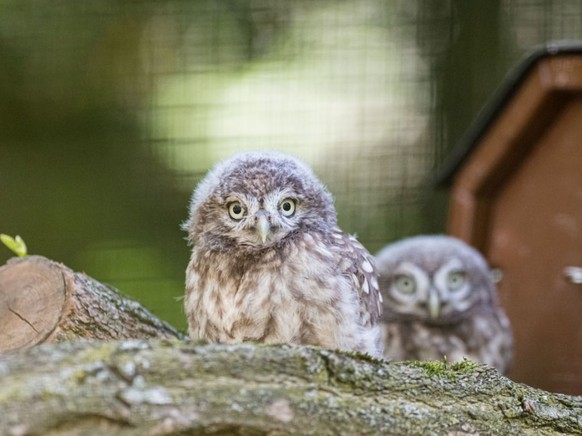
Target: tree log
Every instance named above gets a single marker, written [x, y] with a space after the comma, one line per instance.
[160, 387]
[42, 301]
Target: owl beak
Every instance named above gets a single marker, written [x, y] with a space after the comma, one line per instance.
[263, 227]
[434, 304]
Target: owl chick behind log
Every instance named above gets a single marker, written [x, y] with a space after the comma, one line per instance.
[269, 263]
[440, 302]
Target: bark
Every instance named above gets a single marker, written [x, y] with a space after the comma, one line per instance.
[42, 301]
[159, 387]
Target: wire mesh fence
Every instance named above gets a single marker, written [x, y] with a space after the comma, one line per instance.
[111, 111]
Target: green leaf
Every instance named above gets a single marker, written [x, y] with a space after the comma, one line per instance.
[16, 244]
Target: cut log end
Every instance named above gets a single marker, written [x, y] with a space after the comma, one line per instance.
[42, 301]
[32, 298]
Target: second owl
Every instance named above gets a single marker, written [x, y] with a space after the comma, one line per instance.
[440, 302]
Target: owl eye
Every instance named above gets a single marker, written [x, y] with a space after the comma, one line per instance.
[405, 284]
[287, 207]
[235, 210]
[455, 280]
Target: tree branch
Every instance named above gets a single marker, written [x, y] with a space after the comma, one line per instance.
[167, 387]
[42, 301]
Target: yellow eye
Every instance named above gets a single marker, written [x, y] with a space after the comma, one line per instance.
[287, 207]
[456, 280]
[405, 284]
[235, 210]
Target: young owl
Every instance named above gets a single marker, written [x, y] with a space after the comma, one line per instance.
[440, 302]
[269, 263]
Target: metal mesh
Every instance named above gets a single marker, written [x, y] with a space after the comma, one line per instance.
[112, 111]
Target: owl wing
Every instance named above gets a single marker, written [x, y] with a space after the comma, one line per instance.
[358, 266]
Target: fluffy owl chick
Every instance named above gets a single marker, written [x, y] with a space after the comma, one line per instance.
[269, 263]
[440, 300]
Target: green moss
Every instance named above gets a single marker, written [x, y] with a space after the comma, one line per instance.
[464, 366]
[79, 375]
[97, 354]
[444, 369]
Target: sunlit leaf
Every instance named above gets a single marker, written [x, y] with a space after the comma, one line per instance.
[16, 244]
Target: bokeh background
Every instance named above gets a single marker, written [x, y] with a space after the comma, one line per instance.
[112, 110]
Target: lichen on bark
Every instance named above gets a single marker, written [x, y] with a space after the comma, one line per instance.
[171, 386]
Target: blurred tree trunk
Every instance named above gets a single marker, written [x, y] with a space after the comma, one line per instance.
[42, 301]
[168, 387]
[467, 46]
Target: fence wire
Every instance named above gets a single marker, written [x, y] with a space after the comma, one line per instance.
[112, 111]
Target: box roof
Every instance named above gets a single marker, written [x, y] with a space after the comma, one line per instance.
[494, 108]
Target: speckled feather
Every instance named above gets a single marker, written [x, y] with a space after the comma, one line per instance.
[470, 324]
[310, 283]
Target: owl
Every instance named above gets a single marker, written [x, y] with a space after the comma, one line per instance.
[269, 263]
[440, 302]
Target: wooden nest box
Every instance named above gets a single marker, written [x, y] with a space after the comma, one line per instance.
[516, 195]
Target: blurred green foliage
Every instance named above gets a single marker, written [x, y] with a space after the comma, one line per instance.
[111, 111]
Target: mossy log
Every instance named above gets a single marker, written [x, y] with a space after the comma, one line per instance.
[160, 387]
[42, 301]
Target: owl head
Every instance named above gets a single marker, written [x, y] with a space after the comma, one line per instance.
[256, 200]
[434, 279]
